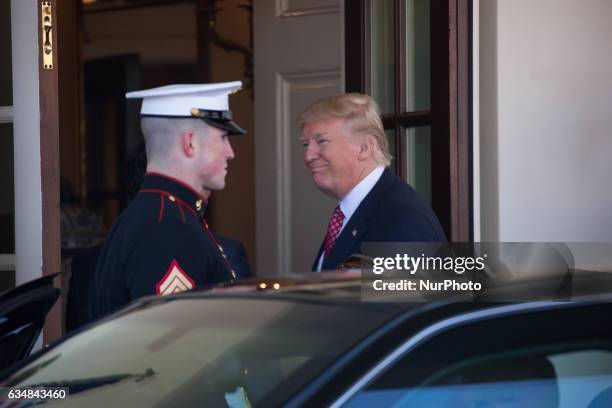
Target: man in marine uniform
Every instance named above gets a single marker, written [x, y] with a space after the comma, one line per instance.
[161, 243]
[234, 250]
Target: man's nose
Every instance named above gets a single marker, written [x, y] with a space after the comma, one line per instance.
[310, 152]
[229, 152]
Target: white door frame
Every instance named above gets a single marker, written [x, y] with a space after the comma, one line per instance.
[26, 131]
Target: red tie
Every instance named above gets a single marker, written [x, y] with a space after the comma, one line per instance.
[333, 229]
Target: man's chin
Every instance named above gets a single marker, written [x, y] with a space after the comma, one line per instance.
[319, 179]
[215, 186]
[325, 189]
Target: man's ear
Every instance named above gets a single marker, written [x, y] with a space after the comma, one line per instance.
[366, 149]
[188, 143]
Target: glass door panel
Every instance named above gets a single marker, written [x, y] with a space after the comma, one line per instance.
[7, 209]
[417, 153]
[382, 62]
[6, 71]
[418, 56]
[7, 195]
[390, 133]
[7, 171]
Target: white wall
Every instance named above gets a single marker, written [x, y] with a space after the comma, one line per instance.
[545, 111]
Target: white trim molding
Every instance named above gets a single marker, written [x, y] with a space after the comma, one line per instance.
[286, 84]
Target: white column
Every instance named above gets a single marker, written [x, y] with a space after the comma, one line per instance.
[26, 126]
[476, 118]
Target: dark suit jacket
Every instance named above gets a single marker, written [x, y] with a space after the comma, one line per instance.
[236, 255]
[391, 212]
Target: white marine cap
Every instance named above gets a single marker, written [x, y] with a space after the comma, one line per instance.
[209, 102]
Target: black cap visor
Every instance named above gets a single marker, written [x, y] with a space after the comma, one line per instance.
[229, 125]
[219, 119]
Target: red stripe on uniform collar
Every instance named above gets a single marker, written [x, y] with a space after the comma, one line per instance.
[167, 194]
[177, 181]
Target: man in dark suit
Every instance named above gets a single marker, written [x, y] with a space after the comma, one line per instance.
[347, 153]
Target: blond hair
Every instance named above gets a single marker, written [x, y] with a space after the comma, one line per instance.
[361, 116]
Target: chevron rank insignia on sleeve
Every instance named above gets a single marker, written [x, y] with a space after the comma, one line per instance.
[174, 281]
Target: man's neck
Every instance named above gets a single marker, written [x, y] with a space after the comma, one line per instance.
[360, 175]
[178, 175]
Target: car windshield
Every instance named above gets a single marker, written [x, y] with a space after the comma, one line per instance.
[215, 351]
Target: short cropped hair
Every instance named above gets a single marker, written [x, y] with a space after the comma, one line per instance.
[361, 115]
[161, 134]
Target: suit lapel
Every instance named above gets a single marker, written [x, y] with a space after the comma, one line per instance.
[358, 223]
[316, 261]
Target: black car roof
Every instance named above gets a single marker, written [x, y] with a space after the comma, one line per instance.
[345, 288]
[348, 286]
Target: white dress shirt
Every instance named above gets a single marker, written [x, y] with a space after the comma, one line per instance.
[351, 201]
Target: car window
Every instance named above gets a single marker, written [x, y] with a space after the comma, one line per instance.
[538, 378]
[221, 351]
[530, 355]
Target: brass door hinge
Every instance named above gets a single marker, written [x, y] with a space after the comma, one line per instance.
[46, 21]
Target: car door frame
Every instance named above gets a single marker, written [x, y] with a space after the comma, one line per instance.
[483, 315]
